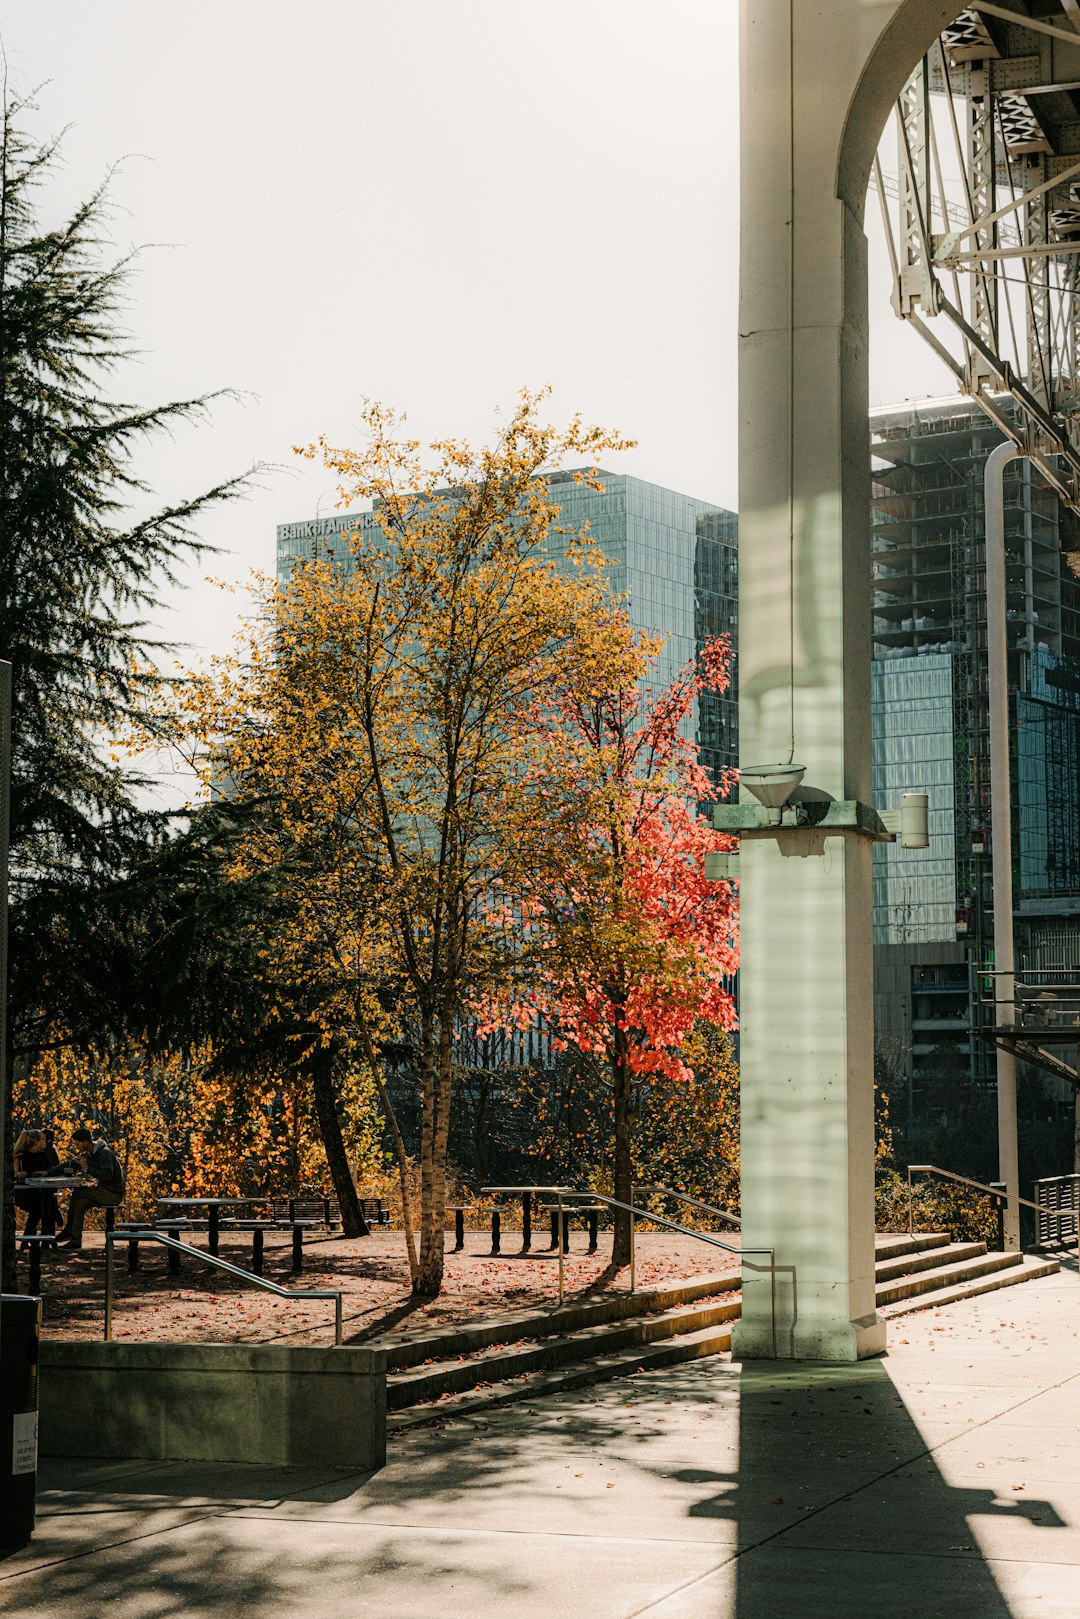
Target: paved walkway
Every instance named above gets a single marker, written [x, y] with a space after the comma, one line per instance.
[942, 1480]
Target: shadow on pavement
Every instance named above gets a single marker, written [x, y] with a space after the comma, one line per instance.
[864, 1521]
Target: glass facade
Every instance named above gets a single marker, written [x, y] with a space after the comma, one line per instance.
[716, 605]
[915, 889]
[931, 721]
[673, 558]
[1048, 777]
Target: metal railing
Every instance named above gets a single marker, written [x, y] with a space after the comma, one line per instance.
[1059, 1219]
[561, 1192]
[998, 1192]
[695, 1202]
[113, 1237]
[1042, 999]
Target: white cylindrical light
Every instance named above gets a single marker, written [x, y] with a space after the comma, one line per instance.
[914, 821]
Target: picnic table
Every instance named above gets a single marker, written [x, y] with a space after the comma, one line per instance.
[52, 1183]
[591, 1211]
[213, 1207]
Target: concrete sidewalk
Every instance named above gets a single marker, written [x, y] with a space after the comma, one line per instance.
[942, 1480]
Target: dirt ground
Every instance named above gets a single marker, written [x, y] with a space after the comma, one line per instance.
[203, 1306]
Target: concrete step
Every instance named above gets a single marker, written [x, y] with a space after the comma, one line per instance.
[890, 1244]
[927, 1281]
[890, 1270]
[1030, 1269]
[406, 1388]
[467, 1338]
[648, 1357]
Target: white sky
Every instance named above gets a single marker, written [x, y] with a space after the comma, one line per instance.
[422, 202]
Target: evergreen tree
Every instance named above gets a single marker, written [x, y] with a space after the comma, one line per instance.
[80, 573]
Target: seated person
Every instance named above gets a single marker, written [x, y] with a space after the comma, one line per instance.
[34, 1156]
[95, 1159]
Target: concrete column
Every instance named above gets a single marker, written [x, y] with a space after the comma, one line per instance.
[817, 83]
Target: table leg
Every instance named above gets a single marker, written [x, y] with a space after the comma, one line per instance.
[526, 1222]
[212, 1233]
[554, 1228]
[594, 1220]
[297, 1249]
[566, 1233]
[174, 1261]
[34, 1278]
[496, 1231]
[133, 1255]
[257, 1252]
[459, 1230]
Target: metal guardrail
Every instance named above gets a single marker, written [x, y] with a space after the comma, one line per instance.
[1060, 1194]
[561, 1192]
[1042, 998]
[998, 1192]
[695, 1202]
[113, 1237]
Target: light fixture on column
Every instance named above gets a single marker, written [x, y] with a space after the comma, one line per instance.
[771, 785]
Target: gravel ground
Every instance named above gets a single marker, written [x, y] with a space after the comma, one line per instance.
[201, 1306]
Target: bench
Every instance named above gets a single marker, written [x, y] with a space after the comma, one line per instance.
[175, 1228]
[34, 1244]
[380, 1215]
[300, 1207]
[459, 1211]
[591, 1211]
[259, 1228]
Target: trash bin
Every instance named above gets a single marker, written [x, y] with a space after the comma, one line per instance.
[20, 1329]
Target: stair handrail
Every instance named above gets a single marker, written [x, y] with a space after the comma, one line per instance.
[559, 1192]
[682, 1197]
[112, 1237]
[997, 1192]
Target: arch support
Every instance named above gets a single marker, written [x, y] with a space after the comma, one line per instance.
[817, 84]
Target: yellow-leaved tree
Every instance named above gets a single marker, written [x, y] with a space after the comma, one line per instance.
[369, 719]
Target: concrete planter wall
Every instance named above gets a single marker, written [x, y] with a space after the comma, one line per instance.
[214, 1402]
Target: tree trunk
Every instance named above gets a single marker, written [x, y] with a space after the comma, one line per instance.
[9, 1283]
[623, 1165]
[353, 1223]
[428, 1280]
[401, 1155]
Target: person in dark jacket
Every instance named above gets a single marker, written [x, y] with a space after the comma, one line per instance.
[93, 1158]
[34, 1156]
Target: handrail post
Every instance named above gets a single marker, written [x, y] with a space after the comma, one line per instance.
[910, 1204]
[562, 1232]
[999, 1190]
[772, 1284]
[337, 1321]
[108, 1285]
[633, 1244]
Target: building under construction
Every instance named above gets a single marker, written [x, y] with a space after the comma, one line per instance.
[933, 918]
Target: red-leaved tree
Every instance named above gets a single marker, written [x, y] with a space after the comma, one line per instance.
[626, 943]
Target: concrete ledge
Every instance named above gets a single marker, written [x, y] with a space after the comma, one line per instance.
[214, 1402]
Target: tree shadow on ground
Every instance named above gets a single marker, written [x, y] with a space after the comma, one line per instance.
[724, 1493]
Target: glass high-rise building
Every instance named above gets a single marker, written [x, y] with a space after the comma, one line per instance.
[673, 558]
[933, 911]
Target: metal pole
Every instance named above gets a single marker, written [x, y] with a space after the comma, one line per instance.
[1001, 827]
[108, 1285]
[558, 1205]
